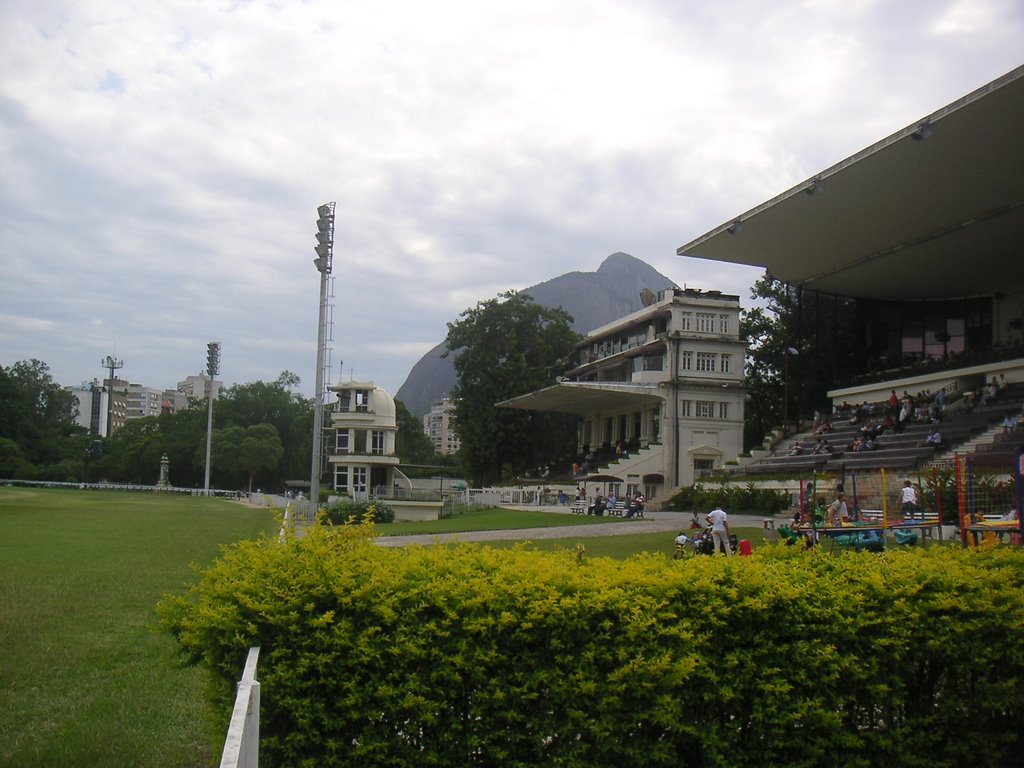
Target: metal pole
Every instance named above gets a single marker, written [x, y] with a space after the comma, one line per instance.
[318, 403]
[111, 364]
[323, 262]
[209, 435]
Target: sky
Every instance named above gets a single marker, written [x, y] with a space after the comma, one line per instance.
[162, 162]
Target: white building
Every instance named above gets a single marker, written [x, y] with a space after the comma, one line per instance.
[361, 440]
[659, 393]
[437, 425]
[142, 401]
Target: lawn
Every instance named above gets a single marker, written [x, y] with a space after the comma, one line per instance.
[620, 547]
[493, 519]
[84, 678]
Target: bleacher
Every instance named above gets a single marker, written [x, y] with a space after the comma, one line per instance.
[899, 450]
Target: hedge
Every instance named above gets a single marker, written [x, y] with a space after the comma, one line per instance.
[468, 655]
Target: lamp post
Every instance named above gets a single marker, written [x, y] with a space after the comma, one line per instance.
[323, 262]
[212, 369]
[111, 364]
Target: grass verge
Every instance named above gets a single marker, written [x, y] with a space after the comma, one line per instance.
[493, 519]
[85, 679]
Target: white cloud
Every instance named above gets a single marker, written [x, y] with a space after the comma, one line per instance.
[163, 161]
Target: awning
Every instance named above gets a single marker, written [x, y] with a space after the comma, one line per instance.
[601, 479]
[934, 211]
[584, 398]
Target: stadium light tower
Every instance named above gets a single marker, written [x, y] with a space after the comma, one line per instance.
[212, 369]
[111, 364]
[323, 262]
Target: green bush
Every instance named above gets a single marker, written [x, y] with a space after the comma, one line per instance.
[734, 498]
[348, 510]
[468, 655]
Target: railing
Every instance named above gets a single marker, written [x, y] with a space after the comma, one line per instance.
[242, 745]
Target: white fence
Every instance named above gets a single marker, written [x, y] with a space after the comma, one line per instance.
[242, 745]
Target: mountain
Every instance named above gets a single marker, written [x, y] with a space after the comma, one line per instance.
[592, 298]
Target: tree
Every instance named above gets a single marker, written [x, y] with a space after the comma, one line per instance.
[260, 449]
[412, 444]
[764, 332]
[505, 347]
[37, 413]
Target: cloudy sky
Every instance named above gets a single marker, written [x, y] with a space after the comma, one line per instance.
[162, 161]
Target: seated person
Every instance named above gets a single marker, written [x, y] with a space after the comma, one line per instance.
[1009, 423]
[855, 446]
[611, 501]
[637, 507]
[934, 439]
[868, 445]
[796, 450]
[598, 507]
[871, 430]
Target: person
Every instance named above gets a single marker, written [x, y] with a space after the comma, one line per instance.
[893, 401]
[694, 522]
[838, 512]
[1009, 423]
[612, 501]
[908, 499]
[598, 507]
[796, 450]
[934, 439]
[637, 507]
[719, 522]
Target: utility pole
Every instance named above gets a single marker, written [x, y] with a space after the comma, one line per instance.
[323, 262]
[212, 369]
[111, 364]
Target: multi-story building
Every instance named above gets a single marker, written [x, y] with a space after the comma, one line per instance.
[361, 440]
[196, 387]
[659, 393]
[142, 401]
[437, 425]
[92, 406]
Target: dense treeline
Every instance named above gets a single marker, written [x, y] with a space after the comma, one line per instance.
[468, 655]
[262, 436]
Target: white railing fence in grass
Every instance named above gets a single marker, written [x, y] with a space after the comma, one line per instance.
[242, 745]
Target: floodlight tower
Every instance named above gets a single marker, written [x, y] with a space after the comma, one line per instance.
[323, 262]
[212, 369]
[111, 364]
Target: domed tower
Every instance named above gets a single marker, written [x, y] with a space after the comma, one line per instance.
[361, 440]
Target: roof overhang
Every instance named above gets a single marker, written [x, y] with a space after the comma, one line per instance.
[934, 211]
[582, 398]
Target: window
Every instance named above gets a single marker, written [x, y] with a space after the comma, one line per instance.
[706, 361]
[686, 361]
[345, 400]
[377, 442]
[723, 323]
[726, 363]
[360, 441]
[684, 408]
[723, 410]
[686, 321]
[705, 322]
[705, 409]
[703, 465]
[342, 442]
[362, 401]
[359, 479]
[341, 479]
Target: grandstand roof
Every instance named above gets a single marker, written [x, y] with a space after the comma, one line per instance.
[933, 211]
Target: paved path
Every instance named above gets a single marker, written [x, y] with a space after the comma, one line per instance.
[653, 522]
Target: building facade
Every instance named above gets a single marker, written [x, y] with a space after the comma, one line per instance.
[361, 440]
[659, 393]
[437, 425]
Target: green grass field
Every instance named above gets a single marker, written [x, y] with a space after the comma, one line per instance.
[85, 680]
[494, 519]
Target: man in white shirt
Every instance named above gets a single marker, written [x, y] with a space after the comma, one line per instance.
[719, 523]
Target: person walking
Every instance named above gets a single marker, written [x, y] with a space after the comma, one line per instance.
[719, 522]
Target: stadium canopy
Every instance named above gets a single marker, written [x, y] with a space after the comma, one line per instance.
[934, 211]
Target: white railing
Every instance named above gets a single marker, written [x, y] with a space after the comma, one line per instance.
[242, 745]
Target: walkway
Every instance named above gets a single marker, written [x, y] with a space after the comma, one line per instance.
[653, 522]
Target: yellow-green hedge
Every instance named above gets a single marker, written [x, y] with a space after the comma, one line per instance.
[466, 655]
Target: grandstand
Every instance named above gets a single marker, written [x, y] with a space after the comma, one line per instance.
[903, 266]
